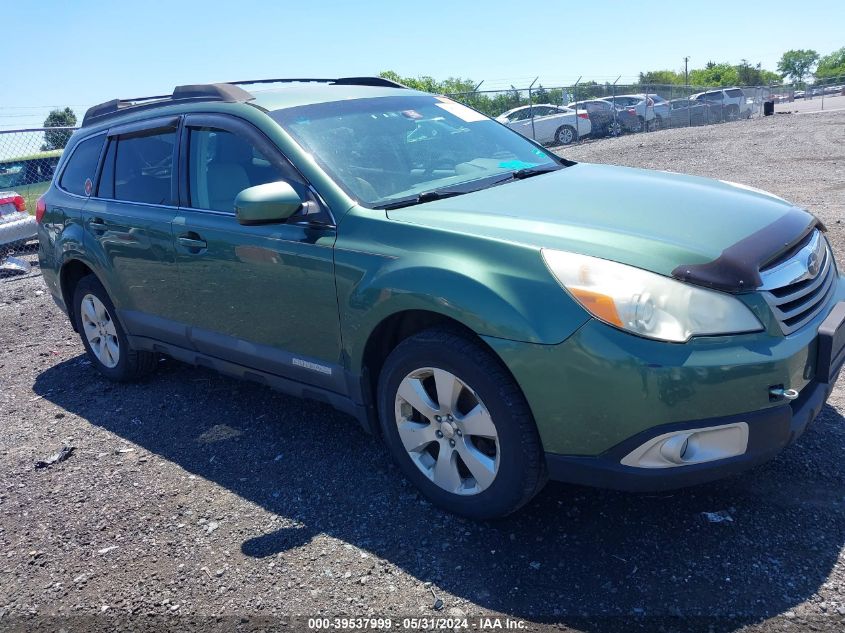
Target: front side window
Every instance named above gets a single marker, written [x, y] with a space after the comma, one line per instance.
[221, 165]
[387, 148]
[139, 168]
[82, 166]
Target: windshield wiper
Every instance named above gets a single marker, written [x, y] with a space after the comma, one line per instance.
[527, 172]
[425, 196]
[439, 194]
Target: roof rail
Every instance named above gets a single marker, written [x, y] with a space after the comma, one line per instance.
[341, 81]
[228, 92]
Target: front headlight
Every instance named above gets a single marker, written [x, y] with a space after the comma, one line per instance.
[646, 303]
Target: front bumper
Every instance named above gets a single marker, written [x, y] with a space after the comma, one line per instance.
[769, 432]
[603, 392]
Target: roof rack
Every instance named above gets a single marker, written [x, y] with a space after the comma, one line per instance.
[228, 92]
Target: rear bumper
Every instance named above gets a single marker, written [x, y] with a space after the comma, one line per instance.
[17, 227]
[770, 431]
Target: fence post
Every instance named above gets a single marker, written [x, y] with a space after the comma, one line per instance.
[531, 108]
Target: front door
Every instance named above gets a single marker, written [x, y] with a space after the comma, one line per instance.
[260, 296]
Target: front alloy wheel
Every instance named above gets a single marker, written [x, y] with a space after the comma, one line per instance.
[458, 426]
[447, 431]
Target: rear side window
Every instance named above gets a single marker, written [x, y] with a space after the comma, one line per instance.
[139, 168]
[82, 165]
[735, 92]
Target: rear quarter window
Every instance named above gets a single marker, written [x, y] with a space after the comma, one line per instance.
[82, 165]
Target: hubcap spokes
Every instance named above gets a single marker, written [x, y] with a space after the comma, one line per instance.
[99, 329]
[447, 431]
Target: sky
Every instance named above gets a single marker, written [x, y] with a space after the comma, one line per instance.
[82, 52]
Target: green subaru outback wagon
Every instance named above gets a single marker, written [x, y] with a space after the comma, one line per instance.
[497, 315]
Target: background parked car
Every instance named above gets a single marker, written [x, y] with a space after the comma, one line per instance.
[729, 104]
[603, 119]
[684, 112]
[17, 226]
[552, 124]
[29, 176]
[651, 111]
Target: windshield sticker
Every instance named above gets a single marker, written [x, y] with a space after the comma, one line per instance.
[516, 164]
[461, 111]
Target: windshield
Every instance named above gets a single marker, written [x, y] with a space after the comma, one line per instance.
[386, 148]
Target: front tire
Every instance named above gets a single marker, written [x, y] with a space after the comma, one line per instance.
[103, 337]
[458, 426]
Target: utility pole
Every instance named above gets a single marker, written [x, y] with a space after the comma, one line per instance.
[686, 87]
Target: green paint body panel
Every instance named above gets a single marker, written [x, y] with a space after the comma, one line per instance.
[321, 292]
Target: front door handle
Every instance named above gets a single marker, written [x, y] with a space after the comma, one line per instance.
[192, 242]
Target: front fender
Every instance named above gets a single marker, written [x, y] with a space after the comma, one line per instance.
[495, 288]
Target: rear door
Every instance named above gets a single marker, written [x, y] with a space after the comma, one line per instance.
[127, 224]
[262, 296]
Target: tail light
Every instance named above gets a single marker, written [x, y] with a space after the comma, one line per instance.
[650, 101]
[17, 200]
[583, 115]
[631, 110]
[40, 208]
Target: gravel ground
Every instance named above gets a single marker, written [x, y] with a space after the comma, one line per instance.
[192, 500]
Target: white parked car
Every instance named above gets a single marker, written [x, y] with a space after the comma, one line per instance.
[16, 225]
[551, 124]
[730, 103]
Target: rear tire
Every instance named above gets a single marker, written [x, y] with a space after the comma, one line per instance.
[458, 426]
[103, 337]
[565, 135]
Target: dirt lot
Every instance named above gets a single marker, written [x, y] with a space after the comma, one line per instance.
[193, 500]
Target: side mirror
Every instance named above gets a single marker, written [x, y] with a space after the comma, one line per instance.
[266, 204]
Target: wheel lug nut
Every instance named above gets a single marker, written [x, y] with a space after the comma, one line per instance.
[449, 417]
[452, 443]
[438, 418]
[458, 433]
[439, 434]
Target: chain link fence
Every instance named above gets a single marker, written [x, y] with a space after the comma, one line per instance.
[568, 114]
[28, 159]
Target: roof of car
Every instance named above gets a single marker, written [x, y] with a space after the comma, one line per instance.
[292, 95]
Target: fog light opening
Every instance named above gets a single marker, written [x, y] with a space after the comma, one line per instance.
[690, 446]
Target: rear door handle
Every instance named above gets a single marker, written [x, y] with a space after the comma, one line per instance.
[192, 242]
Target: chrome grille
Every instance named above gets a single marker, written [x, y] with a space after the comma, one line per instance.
[798, 286]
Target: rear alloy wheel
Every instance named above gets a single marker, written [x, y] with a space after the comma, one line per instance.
[103, 337]
[732, 113]
[565, 135]
[458, 425]
[99, 328]
[614, 129]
